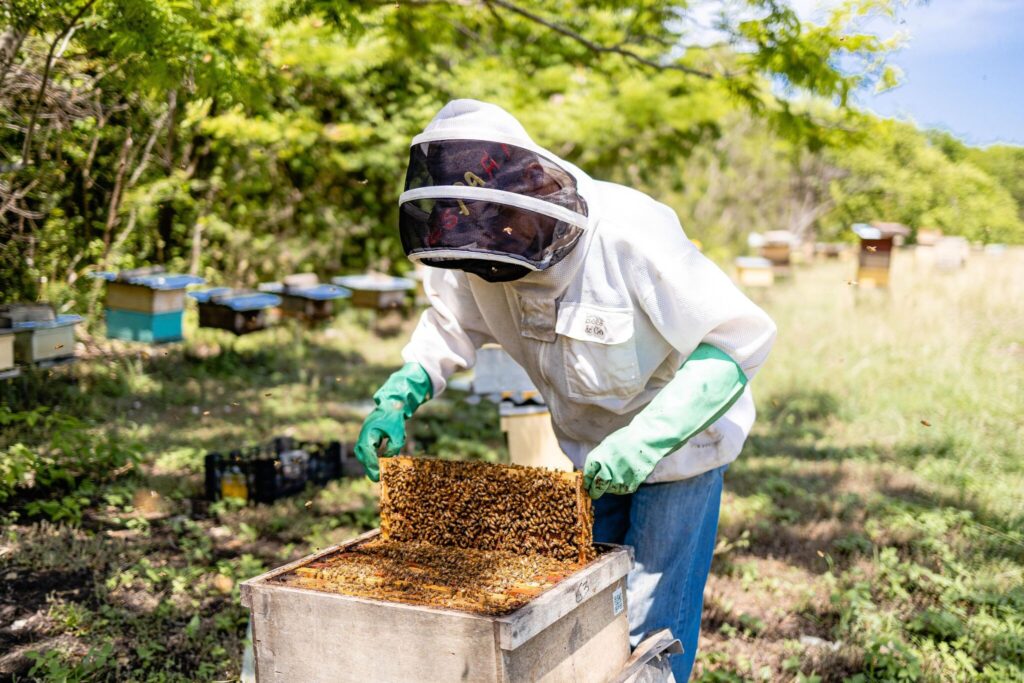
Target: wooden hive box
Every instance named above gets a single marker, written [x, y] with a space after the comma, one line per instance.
[575, 632]
[48, 340]
[375, 291]
[755, 272]
[6, 349]
[125, 296]
[149, 328]
[483, 626]
[531, 438]
[312, 303]
[239, 312]
[869, 277]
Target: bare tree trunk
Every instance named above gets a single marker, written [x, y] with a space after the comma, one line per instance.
[115, 195]
[197, 247]
[10, 43]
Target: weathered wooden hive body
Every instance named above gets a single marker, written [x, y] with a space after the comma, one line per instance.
[478, 573]
[375, 290]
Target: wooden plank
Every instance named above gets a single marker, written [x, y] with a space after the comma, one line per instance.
[309, 636]
[517, 628]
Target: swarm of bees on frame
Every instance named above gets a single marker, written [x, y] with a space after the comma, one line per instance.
[469, 536]
[486, 507]
[480, 581]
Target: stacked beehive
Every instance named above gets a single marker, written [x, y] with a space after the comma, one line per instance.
[470, 536]
[35, 334]
[876, 247]
[146, 304]
[777, 248]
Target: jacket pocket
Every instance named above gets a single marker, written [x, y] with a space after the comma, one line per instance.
[599, 351]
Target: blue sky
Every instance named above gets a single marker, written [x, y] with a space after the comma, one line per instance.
[963, 67]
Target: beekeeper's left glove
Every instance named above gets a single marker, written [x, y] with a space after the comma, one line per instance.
[704, 388]
[399, 397]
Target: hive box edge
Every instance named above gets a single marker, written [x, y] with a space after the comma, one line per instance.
[514, 629]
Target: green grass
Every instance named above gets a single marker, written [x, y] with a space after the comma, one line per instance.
[856, 542]
[877, 506]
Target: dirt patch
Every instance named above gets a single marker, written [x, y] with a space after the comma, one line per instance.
[25, 597]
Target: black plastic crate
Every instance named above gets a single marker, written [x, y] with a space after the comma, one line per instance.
[281, 468]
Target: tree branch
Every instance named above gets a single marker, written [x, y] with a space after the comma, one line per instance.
[27, 146]
[597, 47]
[115, 195]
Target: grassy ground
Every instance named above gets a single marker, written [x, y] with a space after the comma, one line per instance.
[870, 531]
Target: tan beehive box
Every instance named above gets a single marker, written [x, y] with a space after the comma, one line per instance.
[875, 256]
[531, 438]
[575, 632]
[479, 573]
[6, 349]
[754, 272]
[142, 299]
[376, 291]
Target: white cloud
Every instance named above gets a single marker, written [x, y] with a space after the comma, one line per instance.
[945, 26]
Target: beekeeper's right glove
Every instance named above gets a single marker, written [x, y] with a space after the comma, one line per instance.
[404, 392]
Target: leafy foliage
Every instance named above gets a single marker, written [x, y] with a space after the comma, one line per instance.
[242, 139]
[56, 462]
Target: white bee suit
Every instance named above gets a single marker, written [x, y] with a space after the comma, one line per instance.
[603, 330]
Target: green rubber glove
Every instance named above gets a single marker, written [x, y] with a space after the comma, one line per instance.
[404, 392]
[704, 388]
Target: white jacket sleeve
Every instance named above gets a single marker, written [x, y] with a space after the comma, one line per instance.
[450, 331]
[690, 300]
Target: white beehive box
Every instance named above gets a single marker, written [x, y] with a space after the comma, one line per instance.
[575, 632]
[37, 341]
[754, 272]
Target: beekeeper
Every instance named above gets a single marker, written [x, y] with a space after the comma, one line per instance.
[642, 348]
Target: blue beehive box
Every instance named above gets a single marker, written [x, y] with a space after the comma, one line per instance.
[151, 328]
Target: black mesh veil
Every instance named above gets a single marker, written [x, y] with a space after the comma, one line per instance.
[494, 209]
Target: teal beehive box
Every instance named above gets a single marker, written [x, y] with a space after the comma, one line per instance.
[151, 328]
[146, 304]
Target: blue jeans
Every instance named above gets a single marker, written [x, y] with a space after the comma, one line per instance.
[672, 528]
